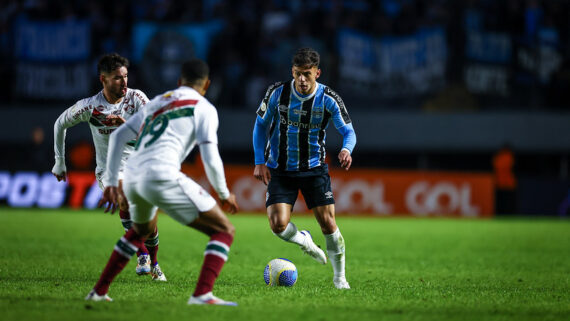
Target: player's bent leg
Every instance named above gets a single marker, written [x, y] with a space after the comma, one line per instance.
[279, 215]
[325, 215]
[279, 219]
[143, 257]
[125, 248]
[221, 231]
[148, 230]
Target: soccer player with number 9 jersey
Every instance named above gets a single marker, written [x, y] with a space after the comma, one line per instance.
[168, 128]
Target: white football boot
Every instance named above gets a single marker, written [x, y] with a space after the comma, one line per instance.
[209, 298]
[313, 249]
[341, 283]
[93, 296]
[157, 274]
[143, 264]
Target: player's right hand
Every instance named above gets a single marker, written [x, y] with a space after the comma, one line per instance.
[60, 177]
[59, 170]
[231, 204]
[111, 198]
[261, 172]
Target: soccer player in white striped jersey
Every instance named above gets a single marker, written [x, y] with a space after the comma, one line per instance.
[168, 128]
[105, 111]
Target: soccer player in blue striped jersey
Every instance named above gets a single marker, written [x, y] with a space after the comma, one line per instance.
[289, 146]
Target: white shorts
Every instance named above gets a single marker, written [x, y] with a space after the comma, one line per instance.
[180, 197]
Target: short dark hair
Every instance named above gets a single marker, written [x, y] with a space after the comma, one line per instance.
[194, 70]
[109, 62]
[306, 57]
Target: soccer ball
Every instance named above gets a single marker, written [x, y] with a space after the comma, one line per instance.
[280, 272]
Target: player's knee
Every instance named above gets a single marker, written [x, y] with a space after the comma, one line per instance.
[278, 227]
[230, 229]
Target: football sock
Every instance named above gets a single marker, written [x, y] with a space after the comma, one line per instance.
[336, 250]
[151, 244]
[127, 224]
[125, 248]
[292, 234]
[215, 255]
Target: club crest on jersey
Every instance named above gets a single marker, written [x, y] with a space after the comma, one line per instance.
[129, 109]
[317, 112]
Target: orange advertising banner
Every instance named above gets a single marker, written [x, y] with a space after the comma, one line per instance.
[377, 192]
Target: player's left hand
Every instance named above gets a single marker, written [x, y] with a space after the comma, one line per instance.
[345, 159]
[111, 198]
[231, 204]
[115, 120]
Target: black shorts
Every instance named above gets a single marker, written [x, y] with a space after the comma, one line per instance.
[315, 186]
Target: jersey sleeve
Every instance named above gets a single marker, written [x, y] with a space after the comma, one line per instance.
[206, 124]
[214, 168]
[341, 119]
[135, 122]
[268, 104]
[336, 107]
[70, 117]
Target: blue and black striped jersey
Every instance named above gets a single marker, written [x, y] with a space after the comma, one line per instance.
[297, 125]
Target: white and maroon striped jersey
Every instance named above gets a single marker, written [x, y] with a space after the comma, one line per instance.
[95, 111]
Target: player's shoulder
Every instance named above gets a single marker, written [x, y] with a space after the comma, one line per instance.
[86, 104]
[331, 95]
[274, 87]
[328, 91]
[137, 94]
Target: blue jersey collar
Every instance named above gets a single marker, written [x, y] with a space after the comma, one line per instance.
[298, 94]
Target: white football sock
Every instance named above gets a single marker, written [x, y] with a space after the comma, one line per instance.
[336, 250]
[291, 234]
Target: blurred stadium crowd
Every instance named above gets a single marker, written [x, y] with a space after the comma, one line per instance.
[385, 54]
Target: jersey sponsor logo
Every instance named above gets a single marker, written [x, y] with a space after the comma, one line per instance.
[139, 96]
[80, 112]
[343, 112]
[299, 124]
[105, 131]
[283, 108]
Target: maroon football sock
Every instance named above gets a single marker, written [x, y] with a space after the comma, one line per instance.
[215, 256]
[152, 246]
[127, 224]
[124, 250]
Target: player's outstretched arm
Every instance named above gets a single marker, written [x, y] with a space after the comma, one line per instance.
[59, 169]
[69, 118]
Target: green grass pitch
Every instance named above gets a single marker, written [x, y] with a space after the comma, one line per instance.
[399, 269]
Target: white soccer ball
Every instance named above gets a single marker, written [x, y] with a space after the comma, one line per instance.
[280, 272]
